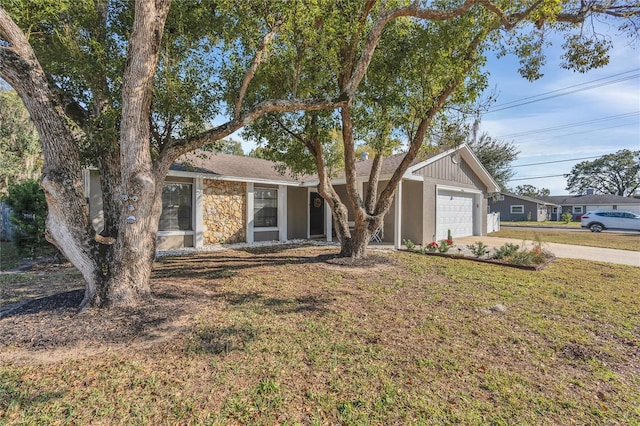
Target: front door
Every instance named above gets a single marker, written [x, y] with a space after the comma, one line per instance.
[316, 214]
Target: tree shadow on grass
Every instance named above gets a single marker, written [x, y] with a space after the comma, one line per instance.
[64, 301]
[215, 340]
[216, 265]
[309, 303]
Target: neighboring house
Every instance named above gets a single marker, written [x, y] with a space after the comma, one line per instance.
[578, 205]
[213, 199]
[513, 207]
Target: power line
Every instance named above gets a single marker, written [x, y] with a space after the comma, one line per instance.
[556, 93]
[579, 123]
[562, 175]
[584, 131]
[557, 161]
[536, 177]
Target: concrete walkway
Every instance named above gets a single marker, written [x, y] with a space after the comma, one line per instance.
[597, 254]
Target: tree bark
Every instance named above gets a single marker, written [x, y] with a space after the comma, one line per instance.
[117, 265]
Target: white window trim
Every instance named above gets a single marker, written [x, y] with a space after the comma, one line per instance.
[174, 233]
[516, 205]
[577, 209]
[194, 216]
[265, 229]
[278, 203]
[281, 229]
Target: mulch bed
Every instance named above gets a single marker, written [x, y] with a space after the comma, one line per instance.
[537, 267]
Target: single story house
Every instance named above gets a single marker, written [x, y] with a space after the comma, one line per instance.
[211, 199]
[513, 207]
[578, 205]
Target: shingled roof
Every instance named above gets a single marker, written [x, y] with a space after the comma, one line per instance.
[594, 199]
[232, 166]
[538, 200]
[235, 166]
[228, 166]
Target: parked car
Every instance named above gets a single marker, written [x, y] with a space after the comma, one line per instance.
[599, 220]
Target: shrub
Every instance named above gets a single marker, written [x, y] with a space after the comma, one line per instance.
[505, 251]
[566, 217]
[431, 247]
[409, 244]
[534, 256]
[478, 249]
[445, 245]
[28, 214]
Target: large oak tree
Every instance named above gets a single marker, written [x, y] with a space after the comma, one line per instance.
[404, 68]
[615, 174]
[129, 86]
[119, 84]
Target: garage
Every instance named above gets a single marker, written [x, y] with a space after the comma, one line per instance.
[455, 212]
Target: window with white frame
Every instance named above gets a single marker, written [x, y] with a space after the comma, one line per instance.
[577, 210]
[517, 209]
[265, 207]
[177, 202]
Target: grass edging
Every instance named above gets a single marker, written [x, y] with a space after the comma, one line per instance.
[537, 267]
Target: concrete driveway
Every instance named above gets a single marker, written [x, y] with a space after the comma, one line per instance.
[623, 257]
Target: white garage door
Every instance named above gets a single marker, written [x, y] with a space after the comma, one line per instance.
[454, 212]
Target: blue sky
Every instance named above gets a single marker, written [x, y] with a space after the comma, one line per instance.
[606, 103]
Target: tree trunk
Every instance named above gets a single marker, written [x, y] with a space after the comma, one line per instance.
[116, 267]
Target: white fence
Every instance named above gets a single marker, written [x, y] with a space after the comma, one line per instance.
[493, 222]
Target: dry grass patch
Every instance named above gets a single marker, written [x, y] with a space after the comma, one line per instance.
[282, 337]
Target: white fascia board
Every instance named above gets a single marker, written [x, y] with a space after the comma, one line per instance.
[178, 173]
[458, 189]
[383, 178]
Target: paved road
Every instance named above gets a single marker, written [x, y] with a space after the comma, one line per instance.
[624, 257]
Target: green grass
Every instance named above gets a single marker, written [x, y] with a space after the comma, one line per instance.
[545, 224]
[608, 239]
[293, 342]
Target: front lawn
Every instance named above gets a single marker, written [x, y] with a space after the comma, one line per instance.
[606, 239]
[282, 336]
[545, 224]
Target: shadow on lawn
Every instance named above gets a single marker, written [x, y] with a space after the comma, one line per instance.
[295, 305]
[213, 339]
[215, 265]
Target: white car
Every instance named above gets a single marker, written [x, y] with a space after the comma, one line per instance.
[599, 220]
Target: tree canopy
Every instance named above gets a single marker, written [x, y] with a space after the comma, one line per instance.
[531, 191]
[616, 174]
[496, 156]
[20, 152]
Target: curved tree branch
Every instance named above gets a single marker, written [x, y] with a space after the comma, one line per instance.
[257, 60]
[176, 148]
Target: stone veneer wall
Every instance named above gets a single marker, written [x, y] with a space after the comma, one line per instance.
[224, 210]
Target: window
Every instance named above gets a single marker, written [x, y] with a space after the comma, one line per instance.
[554, 210]
[265, 207]
[500, 197]
[176, 207]
[518, 209]
[577, 210]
